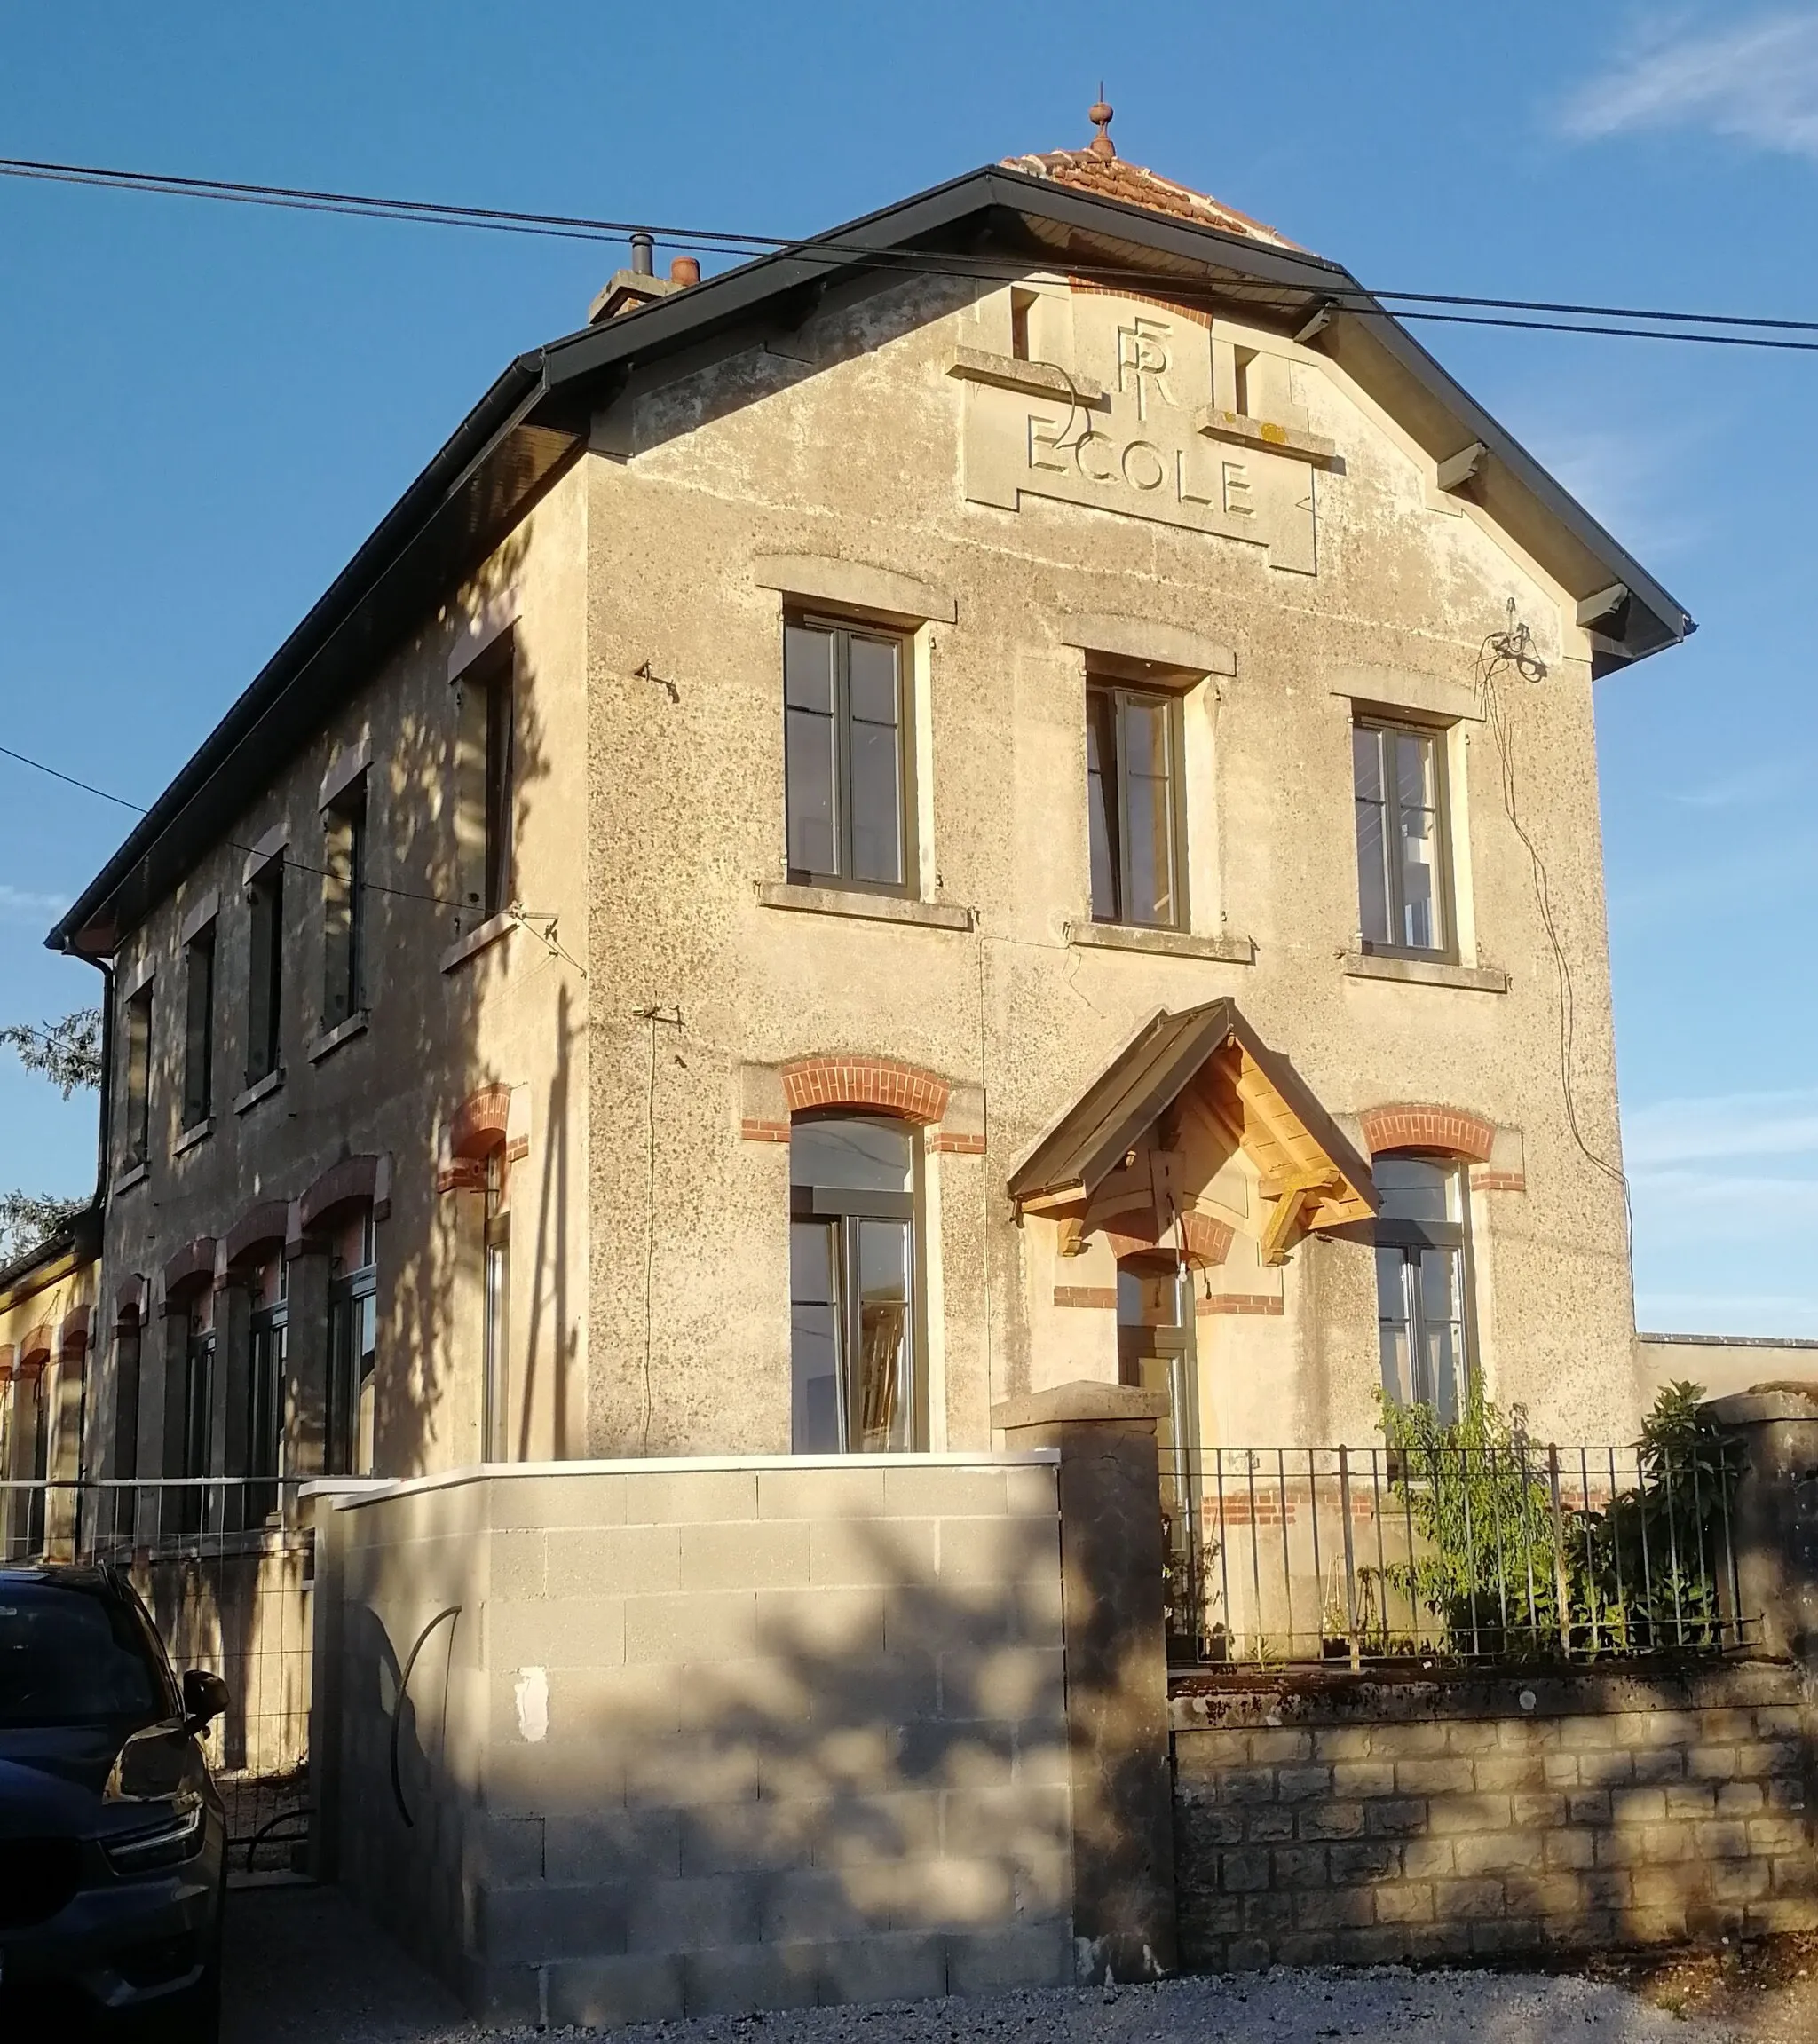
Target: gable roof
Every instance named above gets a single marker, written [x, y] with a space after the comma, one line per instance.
[1113, 176]
[1145, 1078]
[534, 421]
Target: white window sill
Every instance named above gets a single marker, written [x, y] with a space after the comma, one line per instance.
[199, 1131]
[1425, 972]
[134, 1174]
[260, 1089]
[1162, 944]
[865, 907]
[477, 939]
[332, 1039]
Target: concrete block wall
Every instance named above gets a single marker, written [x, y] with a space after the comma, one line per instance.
[709, 1737]
[1340, 1819]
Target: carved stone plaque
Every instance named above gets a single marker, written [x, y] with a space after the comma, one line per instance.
[1129, 444]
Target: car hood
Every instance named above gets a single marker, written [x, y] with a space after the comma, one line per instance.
[52, 1777]
[79, 1757]
[36, 1803]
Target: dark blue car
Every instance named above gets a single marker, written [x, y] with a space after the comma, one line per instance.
[112, 1838]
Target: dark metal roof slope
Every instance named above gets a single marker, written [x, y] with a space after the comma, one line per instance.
[1144, 1080]
[534, 421]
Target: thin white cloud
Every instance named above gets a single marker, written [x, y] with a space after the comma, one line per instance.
[1754, 81]
[21, 905]
[1750, 786]
[1721, 1128]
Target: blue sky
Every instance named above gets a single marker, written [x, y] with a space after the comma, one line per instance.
[203, 409]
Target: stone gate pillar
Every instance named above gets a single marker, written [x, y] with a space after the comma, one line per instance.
[1117, 1667]
[1775, 1514]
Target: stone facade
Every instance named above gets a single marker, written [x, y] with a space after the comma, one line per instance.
[1362, 1821]
[1033, 484]
[707, 1738]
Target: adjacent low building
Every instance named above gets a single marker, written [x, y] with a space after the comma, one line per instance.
[959, 808]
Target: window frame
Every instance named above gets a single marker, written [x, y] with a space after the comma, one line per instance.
[1437, 734]
[838, 1209]
[496, 1310]
[843, 629]
[347, 1441]
[201, 950]
[1453, 1236]
[264, 971]
[267, 1359]
[1101, 683]
[136, 1053]
[344, 848]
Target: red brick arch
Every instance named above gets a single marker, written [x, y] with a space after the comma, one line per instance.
[258, 1234]
[365, 1178]
[1416, 1125]
[480, 1123]
[35, 1349]
[192, 1266]
[872, 1082]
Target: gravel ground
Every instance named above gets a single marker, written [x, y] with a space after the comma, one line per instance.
[305, 1967]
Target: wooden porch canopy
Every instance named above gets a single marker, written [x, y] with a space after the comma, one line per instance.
[1207, 1065]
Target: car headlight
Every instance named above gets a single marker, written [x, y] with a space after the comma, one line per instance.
[175, 1836]
[160, 1770]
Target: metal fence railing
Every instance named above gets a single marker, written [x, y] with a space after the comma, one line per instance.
[1373, 1556]
[225, 1565]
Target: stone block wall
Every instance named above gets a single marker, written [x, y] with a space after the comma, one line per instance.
[1342, 1819]
[681, 1739]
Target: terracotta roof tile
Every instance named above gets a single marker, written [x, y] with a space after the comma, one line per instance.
[1109, 176]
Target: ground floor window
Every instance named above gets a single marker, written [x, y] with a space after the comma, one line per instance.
[494, 1424]
[265, 1390]
[852, 1286]
[1422, 1317]
[353, 1342]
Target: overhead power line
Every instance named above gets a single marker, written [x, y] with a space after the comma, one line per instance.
[288, 857]
[1747, 329]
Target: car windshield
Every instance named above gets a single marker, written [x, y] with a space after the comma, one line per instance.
[70, 1655]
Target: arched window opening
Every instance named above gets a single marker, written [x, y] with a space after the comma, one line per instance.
[353, 1341]
[494, 1423]
[267, 1361]
[853, 1286]
[196, 1444]
[1422, 1280]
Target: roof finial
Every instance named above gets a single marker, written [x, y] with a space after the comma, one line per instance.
[1100, 116]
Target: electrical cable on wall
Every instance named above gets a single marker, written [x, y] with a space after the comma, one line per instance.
[1512, 651]
[670, 1017]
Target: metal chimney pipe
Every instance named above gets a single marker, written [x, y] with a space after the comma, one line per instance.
[643, 254]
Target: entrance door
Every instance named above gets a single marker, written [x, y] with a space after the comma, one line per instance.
[1155, 1352]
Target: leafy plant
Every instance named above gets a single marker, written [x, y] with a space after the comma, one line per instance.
[1507, 1569]
[68, 1053]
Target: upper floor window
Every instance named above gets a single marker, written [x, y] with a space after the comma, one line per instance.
[1398, 778]
[852, 1277]
[1133, 791]
[199, 1026]
[1421, 1279]
[344, 905]
[265, 984]
[846, 754]
[136, 1117]
[485, 779]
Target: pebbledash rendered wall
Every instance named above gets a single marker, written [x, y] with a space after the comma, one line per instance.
[1346, 1820]
[711, 1736]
